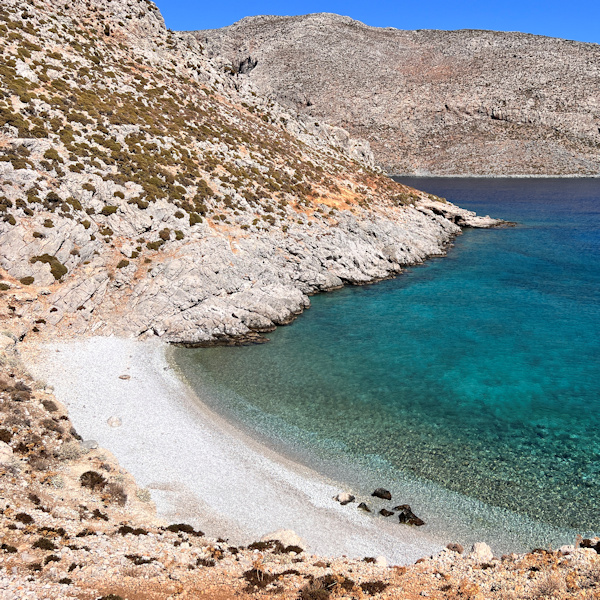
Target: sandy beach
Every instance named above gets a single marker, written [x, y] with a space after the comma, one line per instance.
[198, 467]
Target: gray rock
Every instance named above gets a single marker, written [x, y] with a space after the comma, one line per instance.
[90, 444]
[344, 498]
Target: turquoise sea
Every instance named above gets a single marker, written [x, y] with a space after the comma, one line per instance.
[469, 385]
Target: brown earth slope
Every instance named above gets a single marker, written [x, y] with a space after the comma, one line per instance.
[430, 102]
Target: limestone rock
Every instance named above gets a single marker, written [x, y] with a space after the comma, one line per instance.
[286, 536]
[344, 498]
[481, 553]
[6, 453]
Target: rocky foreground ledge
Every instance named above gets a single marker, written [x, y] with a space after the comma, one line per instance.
[73, 524]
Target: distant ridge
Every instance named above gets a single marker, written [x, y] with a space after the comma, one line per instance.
[429, 101]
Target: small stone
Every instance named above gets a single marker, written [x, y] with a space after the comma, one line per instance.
[481, 553]
[382, 493]
[124, 376]
[90, 444]
[381, 561]
[455, 548]
[385, 513]
[114, 422]
[6, 453]
[364, 507]
[344, 498]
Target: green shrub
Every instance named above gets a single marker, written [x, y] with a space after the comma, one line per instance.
[57, 269]
[52, 154]
[195, 218]
[27, 280]
[123, 263]
[109, 210]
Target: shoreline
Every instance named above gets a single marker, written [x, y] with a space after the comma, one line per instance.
[208, 472]
[230, 482]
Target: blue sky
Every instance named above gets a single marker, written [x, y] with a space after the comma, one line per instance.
[575, 19]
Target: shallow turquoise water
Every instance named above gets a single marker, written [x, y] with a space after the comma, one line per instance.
[479, 372]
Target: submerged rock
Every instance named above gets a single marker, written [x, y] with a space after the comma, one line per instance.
[407, 516]
[114, 422]
[364, 507]
[384, 512]
[382, 493]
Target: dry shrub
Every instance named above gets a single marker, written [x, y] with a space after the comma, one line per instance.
[373, 587]
[548, 585]
[70, 451]
[24, 518]
[115, 492]
[321, 587]
[143, 495]
[93, 480]
[50, 405]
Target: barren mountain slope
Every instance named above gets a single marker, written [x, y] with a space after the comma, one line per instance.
[430, 102]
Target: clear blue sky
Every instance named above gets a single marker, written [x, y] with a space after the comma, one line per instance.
[570, 19]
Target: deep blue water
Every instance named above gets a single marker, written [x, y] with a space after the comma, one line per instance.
[478, 372]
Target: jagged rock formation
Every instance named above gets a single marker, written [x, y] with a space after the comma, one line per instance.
[430, 102]
[143, 193]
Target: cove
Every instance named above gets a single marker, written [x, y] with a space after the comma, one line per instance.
[472, 381]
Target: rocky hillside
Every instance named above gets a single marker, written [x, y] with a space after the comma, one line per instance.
[142, 192]
[429, 102]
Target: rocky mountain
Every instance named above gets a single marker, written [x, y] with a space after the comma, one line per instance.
[143, 191]
[429, 102]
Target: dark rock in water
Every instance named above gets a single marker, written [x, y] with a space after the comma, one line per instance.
[455, 548]
[385, 513]
[364, 507]
[407, 516]
[381, 493]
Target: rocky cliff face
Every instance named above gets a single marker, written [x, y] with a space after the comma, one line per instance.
[144, 192]
[430, 102]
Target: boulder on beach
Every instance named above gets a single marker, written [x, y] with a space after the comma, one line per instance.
[344, 498]
[455, 548]
[286, 537]
[407, 516]
[384, 512]
[382, 493]
[481, 553]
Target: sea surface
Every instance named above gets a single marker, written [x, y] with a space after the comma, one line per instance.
[470, 386]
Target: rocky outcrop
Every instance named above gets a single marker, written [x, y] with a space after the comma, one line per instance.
[144, 192]
[430, 102]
